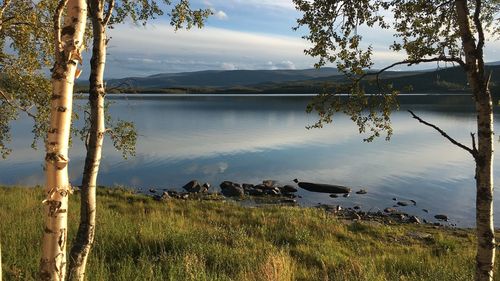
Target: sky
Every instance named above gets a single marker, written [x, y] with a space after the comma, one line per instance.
[242, 34]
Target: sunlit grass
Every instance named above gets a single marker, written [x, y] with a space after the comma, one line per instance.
[141, 239]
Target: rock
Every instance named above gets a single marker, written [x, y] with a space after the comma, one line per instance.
[263, 187]
[390, 210]
[356, 216]
[403, 203]
[164, 197]
[334, 195]
[399, 216]
[195, 187]
[345, 195]
[273, 192]
[414, 219]
[289, 189]
[441, 217]
[247, 186]
[206, 185]
[356, 207]
[184, 196]
[324, 188]
[255, 192]
[269, 183]
[394, 199]
[152, 190]
[361, 191]
[172, 193]
[289, 195]
[425, 210]
[289, 201]
[414, 202]
[230, 189]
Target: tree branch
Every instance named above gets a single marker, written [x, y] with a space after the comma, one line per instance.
[480, 41]
[11, 103]
[109, 12]
[413, 62]
[408, 63]
[474, 147]
[479, 25]
[57, 26]
[444, 134]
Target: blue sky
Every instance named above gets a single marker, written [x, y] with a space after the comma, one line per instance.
[242, 34]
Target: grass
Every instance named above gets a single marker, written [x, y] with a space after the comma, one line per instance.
[141, 239]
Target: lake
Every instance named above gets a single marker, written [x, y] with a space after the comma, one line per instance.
[250, 139]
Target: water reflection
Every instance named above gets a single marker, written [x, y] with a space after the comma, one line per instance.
[248, 139]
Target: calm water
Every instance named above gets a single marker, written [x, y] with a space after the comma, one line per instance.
[249, 139]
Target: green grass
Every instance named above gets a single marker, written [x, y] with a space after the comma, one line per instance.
[140, 239]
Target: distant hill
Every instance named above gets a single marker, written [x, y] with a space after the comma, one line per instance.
[307, 81]
[216, 78]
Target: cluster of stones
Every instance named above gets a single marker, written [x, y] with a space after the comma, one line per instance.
[267, 187]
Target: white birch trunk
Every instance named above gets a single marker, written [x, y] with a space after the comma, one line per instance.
[86, 230]
[474, 64]
[69, 43]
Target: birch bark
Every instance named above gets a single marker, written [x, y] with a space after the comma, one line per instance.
[86, 230]
[68, 47]
[485, 257]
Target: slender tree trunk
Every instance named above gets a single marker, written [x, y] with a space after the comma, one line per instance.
[86, 230]
[485, 258]
[69, 43]
[474, 66]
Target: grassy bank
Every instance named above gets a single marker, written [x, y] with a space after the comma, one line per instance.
[141, 239]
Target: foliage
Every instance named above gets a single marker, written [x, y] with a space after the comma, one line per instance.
[424, 31]
[25, 38]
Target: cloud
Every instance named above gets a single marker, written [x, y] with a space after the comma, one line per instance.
[221, 15]
[209, 48]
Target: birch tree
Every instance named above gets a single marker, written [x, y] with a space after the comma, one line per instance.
[446, 31]
[123, 135]
[23, 88]
[68, 44]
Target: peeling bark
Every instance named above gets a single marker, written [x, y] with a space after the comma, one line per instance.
[86, 230]
[474, 66]
[67, 54]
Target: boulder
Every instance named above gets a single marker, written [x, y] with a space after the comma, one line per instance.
[390, 210]
[289, 189]
[164, 197]
[195, 187]
[324, 188]
[414, 219]
[361, 191]
[403, 203]
[247, 186]
[230, 189]
[441, 217]
[255, 192]
[269, 183]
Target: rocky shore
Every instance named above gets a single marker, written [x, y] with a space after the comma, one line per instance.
[271, 192]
